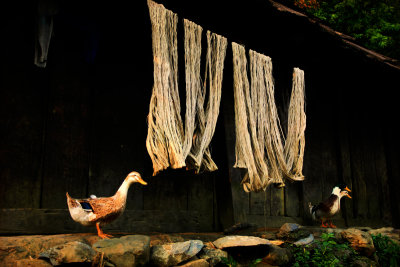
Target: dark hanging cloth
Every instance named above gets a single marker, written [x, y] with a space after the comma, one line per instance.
[44, 30]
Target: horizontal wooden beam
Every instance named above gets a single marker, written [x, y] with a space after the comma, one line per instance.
[57, 221]
[272, 221]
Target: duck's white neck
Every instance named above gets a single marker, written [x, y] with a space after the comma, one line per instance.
[336, 191]
[123, 189]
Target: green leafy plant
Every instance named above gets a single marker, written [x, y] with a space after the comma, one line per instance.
[301, 256]
[322, 253]
[255, 262]
[229, 261]
[387, 250]
[375, 24]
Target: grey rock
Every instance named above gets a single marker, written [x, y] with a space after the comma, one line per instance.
[212, 255]
[71, 252]
[343, 254]
[239, 241]
[304, 241]
[241, 228]
[127, 251]
[336, 232]
[294, 235]
[278, 256]
[363, 262]
[292, 232]
[390, 232]
[174, 253]
[30, 263]
[267, 235]
[289, 227]
[363, 228]
[382, 230]
[196, 263]
[360, 241]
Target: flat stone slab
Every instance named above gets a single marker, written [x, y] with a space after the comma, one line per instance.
[196, 263]
[30, 263]
[239, 241]
[212, 255]
[304, 241]
[289, 227]
[175, 253]
[360, 241]
[71, 252]
[130, 250]
[277, 256]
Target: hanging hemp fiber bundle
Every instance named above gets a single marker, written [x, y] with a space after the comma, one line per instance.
[295, 140]
[192, 76]
[260, 143]
[200, 155]
[165, 131]
[169, 143]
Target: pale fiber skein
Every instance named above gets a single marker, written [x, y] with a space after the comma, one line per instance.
[261, 147]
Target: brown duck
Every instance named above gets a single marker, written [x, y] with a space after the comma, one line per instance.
[324, 211]
[102, 210]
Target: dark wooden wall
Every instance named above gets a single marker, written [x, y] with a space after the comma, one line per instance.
[79, 125]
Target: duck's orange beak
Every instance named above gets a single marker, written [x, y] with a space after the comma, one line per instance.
[140, 180]
[347, 195]
[347, 189]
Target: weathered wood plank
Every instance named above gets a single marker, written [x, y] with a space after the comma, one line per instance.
[260, 208]
[167, 190]
[345, 166]
[117, 142]
[223, 207]
[277, 201]
[56, 221]
[383, 180]
[260, 203]
[240, 199]
[292, 201]
[358, 173]
[371, 175]
[312, 184]
[22, 102]
[393, 166]
[329, 159]
[273, 221]
[201, 198]
[67, 140]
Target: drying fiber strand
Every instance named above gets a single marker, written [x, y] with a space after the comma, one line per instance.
[169, 142]
[200, 153]
[165, 131]
[261, 147]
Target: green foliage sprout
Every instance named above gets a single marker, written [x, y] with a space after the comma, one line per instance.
[322, 253]
[229, 261]
[387, 250]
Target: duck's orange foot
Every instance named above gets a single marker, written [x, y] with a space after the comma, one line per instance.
[331, 225]
[324, 225]
[100, 232]
[104, 236]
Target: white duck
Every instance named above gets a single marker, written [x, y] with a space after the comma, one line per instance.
[325, 210]
[102, 210]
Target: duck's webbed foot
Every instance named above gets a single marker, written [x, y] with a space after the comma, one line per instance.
[331, 225]
[101, 234]
[105, 236]
[323, 224]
